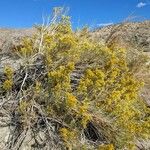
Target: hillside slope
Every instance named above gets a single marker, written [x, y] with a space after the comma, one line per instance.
[11, 37]
[135, 34]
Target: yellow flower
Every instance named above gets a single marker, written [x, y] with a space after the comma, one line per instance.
[115, 95]
[64, 133]
[8, 71]
[69, 137]
[99, 83]
[115, 72]
[85, 119]
[7, 85]
[70, 66]
[89, 73]
[71, 100]
[83, 108]
[99, 73]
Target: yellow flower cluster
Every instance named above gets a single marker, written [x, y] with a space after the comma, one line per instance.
[93, 79]
[8, 83]
[106, 147]
[8, 71]
[84, 113]
[71, 100]
[68, 137]
[67, 42]
[27, 50]
[61, 76]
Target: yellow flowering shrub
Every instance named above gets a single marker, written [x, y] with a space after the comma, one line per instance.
[82, 81]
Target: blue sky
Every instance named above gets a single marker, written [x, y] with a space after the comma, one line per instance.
[25, 13]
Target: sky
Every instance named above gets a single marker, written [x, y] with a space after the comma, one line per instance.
[94, 13]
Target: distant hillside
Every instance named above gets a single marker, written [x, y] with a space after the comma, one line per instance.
[133, 34]
[11, 37]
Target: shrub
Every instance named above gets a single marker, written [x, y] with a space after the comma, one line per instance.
[82, 93]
